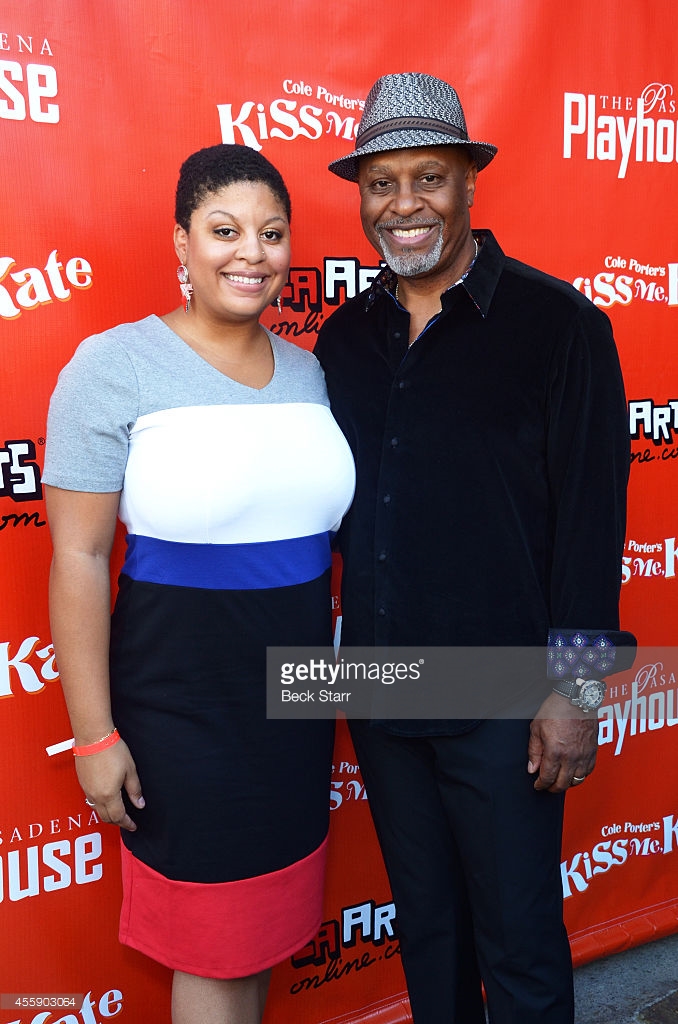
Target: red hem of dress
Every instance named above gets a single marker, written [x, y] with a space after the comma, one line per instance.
[222, 929]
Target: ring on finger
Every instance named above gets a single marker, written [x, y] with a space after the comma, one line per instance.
[576, 779]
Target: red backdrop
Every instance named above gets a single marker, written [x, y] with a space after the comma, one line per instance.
[99, 104]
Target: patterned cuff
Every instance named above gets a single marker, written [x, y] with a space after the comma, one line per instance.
[580, 654]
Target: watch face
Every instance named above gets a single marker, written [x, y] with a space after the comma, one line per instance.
[591, 694]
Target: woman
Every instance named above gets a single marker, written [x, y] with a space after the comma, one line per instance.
[213, 441]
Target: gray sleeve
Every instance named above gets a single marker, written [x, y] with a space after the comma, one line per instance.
[301, 377]
[91, 412]
[318, 379]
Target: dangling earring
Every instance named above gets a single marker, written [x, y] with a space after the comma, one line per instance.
[185, 286]
[278, 302]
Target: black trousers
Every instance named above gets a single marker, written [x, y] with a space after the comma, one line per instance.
[473, 857]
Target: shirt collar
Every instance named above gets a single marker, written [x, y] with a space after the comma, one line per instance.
[479, 283]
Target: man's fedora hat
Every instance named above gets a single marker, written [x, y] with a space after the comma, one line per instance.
[407, 110]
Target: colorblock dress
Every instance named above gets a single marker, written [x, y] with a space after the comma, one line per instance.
[229, 496]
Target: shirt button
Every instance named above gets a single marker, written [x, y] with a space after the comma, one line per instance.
[396, 334]
[402, 384]
[382, 556]
[387, 499]
[381, 611]
[394, 442]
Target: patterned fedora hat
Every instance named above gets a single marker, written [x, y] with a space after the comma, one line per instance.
[406, 110]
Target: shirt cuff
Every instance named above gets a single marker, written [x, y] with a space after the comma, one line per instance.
[588, 654]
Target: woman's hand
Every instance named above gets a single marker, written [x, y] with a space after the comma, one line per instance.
[103, 776]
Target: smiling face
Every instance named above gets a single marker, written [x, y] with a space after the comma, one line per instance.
[414, 206]
[237, 252]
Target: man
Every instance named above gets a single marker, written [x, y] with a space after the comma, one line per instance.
[484, 405]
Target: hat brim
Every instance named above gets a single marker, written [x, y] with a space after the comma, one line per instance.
[347, 166]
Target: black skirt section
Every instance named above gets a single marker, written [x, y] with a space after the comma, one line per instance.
[229, 795]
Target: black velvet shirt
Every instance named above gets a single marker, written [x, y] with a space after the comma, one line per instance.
[492, 461]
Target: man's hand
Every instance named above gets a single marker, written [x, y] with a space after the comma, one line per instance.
[563, 745]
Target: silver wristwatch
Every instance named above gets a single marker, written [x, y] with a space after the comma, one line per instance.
[586, 694]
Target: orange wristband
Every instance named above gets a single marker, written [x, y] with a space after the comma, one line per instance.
[94, 748]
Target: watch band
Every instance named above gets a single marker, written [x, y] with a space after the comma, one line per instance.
[566, 688]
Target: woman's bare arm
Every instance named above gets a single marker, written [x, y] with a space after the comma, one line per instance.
[83, 526]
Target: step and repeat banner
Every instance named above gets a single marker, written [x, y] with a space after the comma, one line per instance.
[99, 105]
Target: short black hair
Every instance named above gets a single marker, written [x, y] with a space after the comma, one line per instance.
[216, 167]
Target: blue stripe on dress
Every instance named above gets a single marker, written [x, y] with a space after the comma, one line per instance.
[256, 566]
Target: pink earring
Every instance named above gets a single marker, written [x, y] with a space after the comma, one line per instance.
[185, 286]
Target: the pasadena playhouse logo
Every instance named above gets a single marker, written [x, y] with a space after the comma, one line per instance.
[622, 129]
[28, 79]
